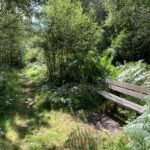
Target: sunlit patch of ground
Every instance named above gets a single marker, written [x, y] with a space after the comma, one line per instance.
[25, 126]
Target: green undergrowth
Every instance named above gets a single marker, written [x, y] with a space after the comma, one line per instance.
[12, 101]
[49, 130]
[35, 68]
[10, 90]
[33, 55]
[54, 131]
[137, 73]
[58, 113]
[35, 72]
[55, 117]
[139, 130]
[70, 97]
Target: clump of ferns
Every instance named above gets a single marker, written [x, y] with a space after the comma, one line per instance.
[139, 130]
[85, 139]
[135, 72]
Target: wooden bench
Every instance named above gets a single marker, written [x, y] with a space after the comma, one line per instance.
[127, 89]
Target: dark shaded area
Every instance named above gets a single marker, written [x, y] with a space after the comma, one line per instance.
[104, 122]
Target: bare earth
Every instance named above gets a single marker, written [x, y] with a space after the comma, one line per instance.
[105, 123]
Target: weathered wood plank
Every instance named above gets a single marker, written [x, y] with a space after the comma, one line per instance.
[132, 87]
[121, 101]
[127, 92]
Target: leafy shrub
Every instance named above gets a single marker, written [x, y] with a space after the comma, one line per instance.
[8, 146]
[119, 142]
[120, 45]
[106, 62]
[83, 95]
[98, 68]
[69, 37]
[33, 55]
[129, 29]
[139, 130]
[69, 96]
[136, 73]
[10, 90]
[36, 72]
[90, 72]
[2, 81]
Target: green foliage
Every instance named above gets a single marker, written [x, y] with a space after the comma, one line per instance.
[33, 52]
[120, 45]
[136, 73]
[36, 72]
[85, 139]
[89, 139]
[69, 37]
[100, 68]
[37, 146]
[118, 142]
[11, 44]
[8, 146]
[127, 22]
[33, 55]
[75, 96]
[15, 28]
[97, 9]
[35, 68]
[52, 130]
[70, 97]
[139, 130]
[10, 90]
[106, 62]
[12, 32]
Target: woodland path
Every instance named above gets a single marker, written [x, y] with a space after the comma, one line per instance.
[28, 93]
[99, 121]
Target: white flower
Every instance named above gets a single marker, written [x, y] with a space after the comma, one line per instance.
[62, 100]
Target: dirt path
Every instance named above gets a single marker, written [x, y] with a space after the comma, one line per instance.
[28, 93]
[105, 123]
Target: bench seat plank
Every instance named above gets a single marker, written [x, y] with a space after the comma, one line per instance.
[132, 87]
[121, 101]
[127, 92]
